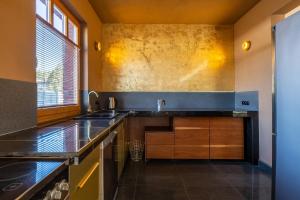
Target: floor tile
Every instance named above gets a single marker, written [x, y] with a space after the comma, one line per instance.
[255, 193]
[189, 180]
[126, 193]
[160, 192]
[214, 193]
[205, 180]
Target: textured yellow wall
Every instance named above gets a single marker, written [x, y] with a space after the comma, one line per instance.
[167, 58]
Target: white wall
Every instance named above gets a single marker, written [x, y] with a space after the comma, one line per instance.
[254, 68]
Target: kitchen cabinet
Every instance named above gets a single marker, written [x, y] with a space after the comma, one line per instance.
[120, 131]
[159, 145]
[109, 167]
[226, 138]
[84, 178]
[191, 138]
[113, 151]
[197, 138]
[127, 140]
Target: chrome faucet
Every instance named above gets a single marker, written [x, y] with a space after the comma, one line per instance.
[160, 104]
[90, 110]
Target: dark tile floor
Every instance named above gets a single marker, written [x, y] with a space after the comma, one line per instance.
[189, 180]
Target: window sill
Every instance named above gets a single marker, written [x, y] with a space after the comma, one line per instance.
[55, 114]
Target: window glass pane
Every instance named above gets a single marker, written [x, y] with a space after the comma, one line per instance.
[42, 9]
[57, 67]
[59, 20]
[73, 32]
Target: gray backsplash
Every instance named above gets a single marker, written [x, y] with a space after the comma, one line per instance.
[250, 97]
[17, 105]
[18, 102]
[182, 100]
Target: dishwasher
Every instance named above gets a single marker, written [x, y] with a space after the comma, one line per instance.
[109, 169]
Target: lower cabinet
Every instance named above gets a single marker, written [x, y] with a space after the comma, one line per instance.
[159, 145]
[227, 138]
[198, 138]
[84, 178]
[127, 140]
[191, 138]
[191, 152]
[120, 131]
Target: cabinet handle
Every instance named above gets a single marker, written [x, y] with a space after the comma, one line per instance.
[86, 178]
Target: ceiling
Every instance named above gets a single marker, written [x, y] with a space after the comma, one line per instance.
[172, 11]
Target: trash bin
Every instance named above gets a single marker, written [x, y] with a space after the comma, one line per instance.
[136, 148]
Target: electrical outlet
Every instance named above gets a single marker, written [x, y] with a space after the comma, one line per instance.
[245, 103]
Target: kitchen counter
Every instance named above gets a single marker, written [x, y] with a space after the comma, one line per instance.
[21, 179]
[250, 119]
[64, 140]
[74, 138]
[191, 112]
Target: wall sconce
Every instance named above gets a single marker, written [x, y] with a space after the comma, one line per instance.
[97, 46]
[246, 45]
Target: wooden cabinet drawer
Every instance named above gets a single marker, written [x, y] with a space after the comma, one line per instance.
[160, 138]
[200, 122]
[226, 122]
[160, 151]
[191, 152]
[226, 152]
[227, 142]
[192, 136]
[226, 137]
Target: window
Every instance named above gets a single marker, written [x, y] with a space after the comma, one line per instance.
[42, 9]
[57, 54]
[72, 31]
[59, 20]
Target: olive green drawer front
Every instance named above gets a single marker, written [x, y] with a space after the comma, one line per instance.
[84, 178]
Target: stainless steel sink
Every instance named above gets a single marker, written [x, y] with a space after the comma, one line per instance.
[99, 115]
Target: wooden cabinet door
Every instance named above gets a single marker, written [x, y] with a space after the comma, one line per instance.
[191, 138]
[191, 152]
[160, 152]
[84, 178]
[191, 143]
[159, 138]
[159, 145]
[226, 138]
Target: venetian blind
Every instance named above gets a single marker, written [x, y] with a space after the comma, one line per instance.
[57, 67]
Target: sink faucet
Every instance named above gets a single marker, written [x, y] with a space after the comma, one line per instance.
[160, 104]
[90, 110]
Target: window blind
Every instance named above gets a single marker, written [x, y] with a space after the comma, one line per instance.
[57, 67]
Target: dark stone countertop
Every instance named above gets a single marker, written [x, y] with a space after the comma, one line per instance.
[191, 112]
[74, 137]
[64, 140]
[20, 179]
